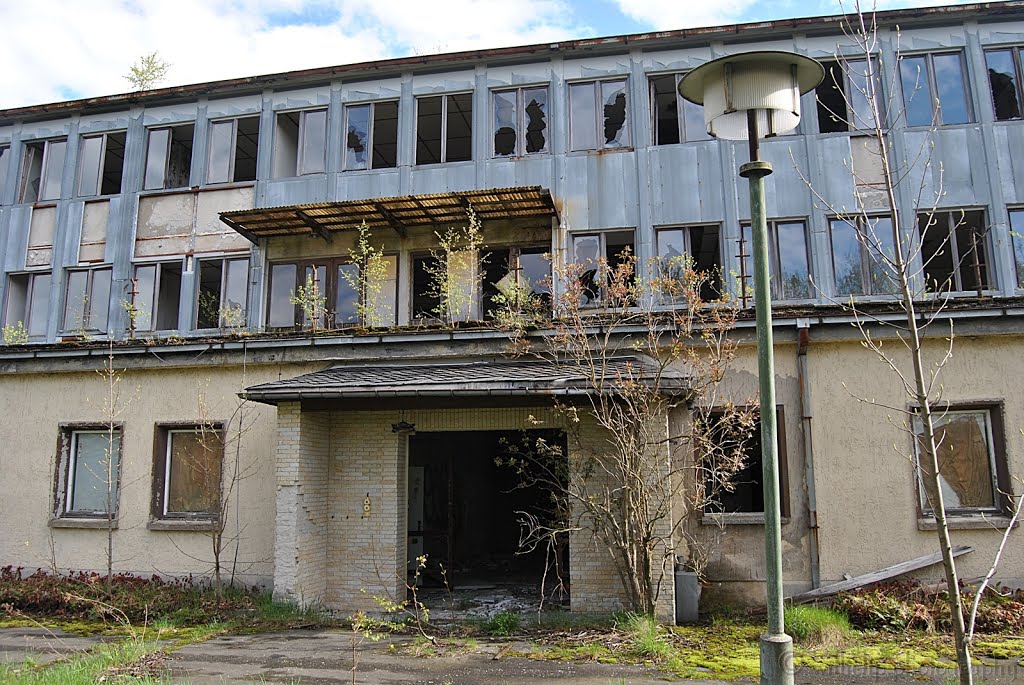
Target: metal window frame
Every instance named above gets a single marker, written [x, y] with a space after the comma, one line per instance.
[1018, 259]
[71, 473]
[157, 280]
[1017, 57]
[521, 122]
[300, 152]
[90, 280]
[166, 154]
[31, 275]
[44, 168]
[599, 112]
[774, 256]
[198, 270]
[234, 150]
[933, 99]
[857, 222]
[169, 432]
[445, 98]
[950, 239]
[101, 163]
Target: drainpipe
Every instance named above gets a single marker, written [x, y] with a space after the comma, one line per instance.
[804, 341]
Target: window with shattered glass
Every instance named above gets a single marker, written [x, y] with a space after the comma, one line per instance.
[370, 136]
[598, 115]
[971, 468]
[1005, 69]
[519, 120]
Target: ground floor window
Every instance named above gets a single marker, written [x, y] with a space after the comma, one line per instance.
[88, 471]
[187, 470]
[973, 472]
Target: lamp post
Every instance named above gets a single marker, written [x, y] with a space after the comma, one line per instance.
[746, 96]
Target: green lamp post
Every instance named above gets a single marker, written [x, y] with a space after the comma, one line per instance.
[747, 96]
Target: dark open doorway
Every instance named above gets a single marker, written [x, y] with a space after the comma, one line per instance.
[463, 511]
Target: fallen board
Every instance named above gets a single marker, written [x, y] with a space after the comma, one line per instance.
[875, 576]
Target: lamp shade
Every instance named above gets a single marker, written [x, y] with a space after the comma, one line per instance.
[769, 83]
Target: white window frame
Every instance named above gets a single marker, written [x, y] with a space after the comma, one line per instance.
[69, 469]
[45, 171]
[169, 433]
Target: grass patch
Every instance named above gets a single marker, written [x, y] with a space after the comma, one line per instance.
[646, 638]
[105, 662]
[815, 626]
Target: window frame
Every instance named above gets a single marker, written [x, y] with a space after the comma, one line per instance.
[522, 123]
[599, 118]
[515, 254]
[88, 315]
[686, 230]
[742, 517]
[1017, 56]
[850, 91]
[934, 99]
[1017, 242]
[197, 300]
[370, 135]
[101, 163]
[950, 243]
[775, 260]
[445, 99]
[5, 159]
[158, 277]
[299, 169]
[602, 235]
[65, 476]
[167, 156]
[1002, 490]
[682, 105]
[866, 259]
[27, 319]
[45, 170]
[232, 169]
[331, 267]
[160, 517]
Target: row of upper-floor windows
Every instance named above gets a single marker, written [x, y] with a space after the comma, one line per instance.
[935, 91]
[952, 252]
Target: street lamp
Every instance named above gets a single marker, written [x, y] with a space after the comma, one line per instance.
[746, 96]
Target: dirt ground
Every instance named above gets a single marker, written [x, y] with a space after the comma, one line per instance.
[323, 657]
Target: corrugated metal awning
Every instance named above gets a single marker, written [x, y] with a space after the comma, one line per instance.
[398, 213]
[502, 378]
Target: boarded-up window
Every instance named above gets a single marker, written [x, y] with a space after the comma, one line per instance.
[193, 471]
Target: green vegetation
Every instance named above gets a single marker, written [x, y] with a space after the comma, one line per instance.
[817, 626]
[127, 660]
[502, 624]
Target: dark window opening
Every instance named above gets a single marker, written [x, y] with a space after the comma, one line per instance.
[444, 128]
[1004, 78]
[954, 250]
[426, 301]
[42, 170]
[520, 121]
[223, 293]
[101, 164]
[371, 136]
[169, 157]
[233, 146]
[157, 296]
[696, 247]
[746, 493]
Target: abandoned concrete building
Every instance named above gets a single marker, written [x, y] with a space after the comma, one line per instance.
[171, 235]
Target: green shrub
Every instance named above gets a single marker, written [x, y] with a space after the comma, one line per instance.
[817, 626]
[502, 624]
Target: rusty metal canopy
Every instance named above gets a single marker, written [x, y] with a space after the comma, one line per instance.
[398, 213]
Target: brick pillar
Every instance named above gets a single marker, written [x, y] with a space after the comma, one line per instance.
[301, 468]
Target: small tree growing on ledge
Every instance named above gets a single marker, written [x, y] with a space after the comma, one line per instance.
[643, 347]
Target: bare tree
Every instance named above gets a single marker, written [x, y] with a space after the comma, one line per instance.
[904, 251]
[644, 342]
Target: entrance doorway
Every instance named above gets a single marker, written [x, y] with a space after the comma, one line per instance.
[465, 512]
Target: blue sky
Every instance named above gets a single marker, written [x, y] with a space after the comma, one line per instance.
[57, 49]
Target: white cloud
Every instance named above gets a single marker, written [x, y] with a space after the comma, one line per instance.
[57, 50]
[663, 15]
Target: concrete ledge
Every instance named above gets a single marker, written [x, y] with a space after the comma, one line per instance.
[979, 522]
[184, 525]
[97, 523]
[736, 519]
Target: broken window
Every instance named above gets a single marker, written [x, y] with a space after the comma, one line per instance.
[101, 164]
[598, 115]
[300, 143]
[371, 136]
[693, 247]
[157, 296]
[1004, 78]
[187, 475]
[223, 297]
[674, 119]
[338, 301]
[515, 272]
[954, 250]
[598, 255]
[842, 97]
[934, 89]
[1017, 237]
[233, 146]
[745, 492]
[90, 461]
[28, 302]
[42, 169]
[520, 121]
[863, 251]
[788, 260]
[87, 304]
[972, 468]
[444, 128]
[169, 157]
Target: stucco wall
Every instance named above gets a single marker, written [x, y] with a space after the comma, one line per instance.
[34, 405]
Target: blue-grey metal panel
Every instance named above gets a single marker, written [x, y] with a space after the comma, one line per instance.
[1009, 155]
[359, 185]
[299, 190]
[70, 234]
[440, 178]
[19, 221]
[600, 190]
[950, 174]
[786, 193]
[835, 182]
[686, 183]
[524, 171]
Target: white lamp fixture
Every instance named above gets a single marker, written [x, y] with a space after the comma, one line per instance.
[767, 83]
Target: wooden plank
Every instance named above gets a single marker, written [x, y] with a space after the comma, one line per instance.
[876, 576]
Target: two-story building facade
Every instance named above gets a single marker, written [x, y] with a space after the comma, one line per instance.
[171, 236]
